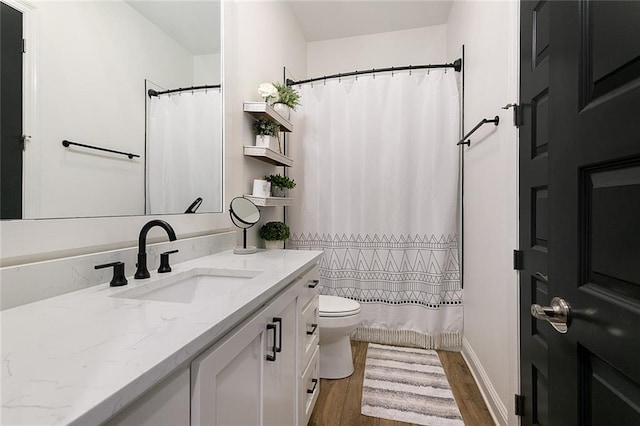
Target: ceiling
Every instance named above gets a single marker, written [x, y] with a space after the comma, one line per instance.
[193, 24]
[324, 20]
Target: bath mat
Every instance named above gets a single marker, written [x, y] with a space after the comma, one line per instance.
[408, 385]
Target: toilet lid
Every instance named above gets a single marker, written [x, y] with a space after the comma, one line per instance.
[333, 306]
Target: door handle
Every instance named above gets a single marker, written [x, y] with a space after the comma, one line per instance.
[558, 314]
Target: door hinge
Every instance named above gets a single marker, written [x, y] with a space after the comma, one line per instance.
[518, 260]
[24, 45]
[517, 113]
[519, 406]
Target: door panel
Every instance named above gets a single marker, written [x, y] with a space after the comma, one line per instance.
[586, 216]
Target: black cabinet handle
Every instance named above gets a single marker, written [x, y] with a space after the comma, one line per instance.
[314, 283]
[279, 322]
[314, 327]
[313, 388]
[269, 356]
[118, 273]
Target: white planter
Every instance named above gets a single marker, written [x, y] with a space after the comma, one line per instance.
[270, 245]
[261, 188]
[270, 142]
[283, 109]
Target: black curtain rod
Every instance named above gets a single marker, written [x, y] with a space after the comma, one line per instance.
[456, 65]
[152, 92]
[66, 144]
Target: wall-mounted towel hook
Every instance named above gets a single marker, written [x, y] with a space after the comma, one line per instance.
[465, 141]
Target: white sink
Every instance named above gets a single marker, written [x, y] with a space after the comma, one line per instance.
[191, 286]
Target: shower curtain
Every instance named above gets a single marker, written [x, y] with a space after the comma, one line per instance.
[184, 152]
[378, 189]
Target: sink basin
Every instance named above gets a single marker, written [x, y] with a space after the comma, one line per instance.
[191, 286]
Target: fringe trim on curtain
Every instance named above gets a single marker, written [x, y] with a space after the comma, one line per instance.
[450, 341]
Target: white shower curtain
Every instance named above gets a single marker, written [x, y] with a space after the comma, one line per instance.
[184, 152]
[377, 169]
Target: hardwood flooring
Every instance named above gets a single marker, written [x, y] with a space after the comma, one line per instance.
[339, 400]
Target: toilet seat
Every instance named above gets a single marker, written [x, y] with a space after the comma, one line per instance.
[333, 306]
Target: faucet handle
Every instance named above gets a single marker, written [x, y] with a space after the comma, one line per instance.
[164, 261]
[118, 273]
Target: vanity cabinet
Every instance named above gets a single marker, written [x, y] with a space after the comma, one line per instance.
[167, 404]
[259, 374]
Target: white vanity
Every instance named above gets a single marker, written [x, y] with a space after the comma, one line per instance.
[168, 351]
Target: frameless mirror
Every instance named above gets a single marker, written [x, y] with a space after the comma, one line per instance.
[85, 79]
[244, 214]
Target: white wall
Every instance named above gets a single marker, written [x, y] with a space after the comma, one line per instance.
[255, 51]
[489, 32]
[207, 69]
[260, 38]
[417, 46]
[92, 59]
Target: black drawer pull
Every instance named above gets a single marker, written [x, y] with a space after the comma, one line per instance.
[279, 322]
[313, 388]
[269, 356]
[314, 327]
[314, 283]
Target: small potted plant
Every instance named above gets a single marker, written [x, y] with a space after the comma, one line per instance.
[266, 132]
[274, 234]
[280, 184]
[287, 99]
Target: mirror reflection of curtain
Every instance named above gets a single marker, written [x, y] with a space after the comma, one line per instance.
[184, 152]
[377, 168]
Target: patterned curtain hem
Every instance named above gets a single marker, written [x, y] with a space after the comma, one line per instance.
[449, 341]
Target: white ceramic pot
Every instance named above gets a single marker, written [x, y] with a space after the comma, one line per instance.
[270, 142]
[270, 245]
[283, 110]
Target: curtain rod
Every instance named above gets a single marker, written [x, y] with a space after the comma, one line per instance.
[152, 92]
[456, 65]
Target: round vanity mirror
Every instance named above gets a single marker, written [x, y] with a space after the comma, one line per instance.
[244, 214]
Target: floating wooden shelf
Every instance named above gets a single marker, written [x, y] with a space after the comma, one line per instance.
[267, 155]
[264, 110]
[269, 201]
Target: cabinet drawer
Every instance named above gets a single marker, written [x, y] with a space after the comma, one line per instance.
[309, 285]
[311, 385]
[309, 331]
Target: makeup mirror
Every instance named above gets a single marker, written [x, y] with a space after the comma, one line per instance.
[244, 214]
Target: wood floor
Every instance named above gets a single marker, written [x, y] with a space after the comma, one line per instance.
[339, 400]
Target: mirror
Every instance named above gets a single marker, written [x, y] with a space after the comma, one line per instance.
[85, 75]
[244, 214]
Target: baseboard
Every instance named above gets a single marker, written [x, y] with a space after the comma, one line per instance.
[494, 404]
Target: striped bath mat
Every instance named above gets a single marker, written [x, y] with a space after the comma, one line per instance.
[407, 385]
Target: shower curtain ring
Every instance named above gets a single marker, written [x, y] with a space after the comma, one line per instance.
[410, 69]
[391, 71]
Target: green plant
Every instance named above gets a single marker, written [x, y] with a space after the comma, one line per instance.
[281, 181]
[274, 231]
[287, 95]
[265, 127]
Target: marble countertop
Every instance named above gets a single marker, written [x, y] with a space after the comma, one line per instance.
[81, 357]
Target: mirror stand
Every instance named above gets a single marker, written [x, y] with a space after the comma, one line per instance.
[244, 214]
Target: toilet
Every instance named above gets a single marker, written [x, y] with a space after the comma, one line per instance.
[338, 318]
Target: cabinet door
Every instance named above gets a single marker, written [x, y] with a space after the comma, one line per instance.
[166, 404]
[226, 379]
[279, 392]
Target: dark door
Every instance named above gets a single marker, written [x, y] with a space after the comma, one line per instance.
[580, 210]
[11, 144]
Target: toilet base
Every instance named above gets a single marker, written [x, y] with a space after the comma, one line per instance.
[336, 361]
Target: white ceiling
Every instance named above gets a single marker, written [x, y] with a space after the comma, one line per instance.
[324, 20]
[193, 24]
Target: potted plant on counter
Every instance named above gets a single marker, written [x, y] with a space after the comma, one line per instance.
[287, 99]
[280, 185]
[274, 234]
[266, 132]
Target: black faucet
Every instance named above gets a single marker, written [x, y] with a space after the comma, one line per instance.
[142, 271]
